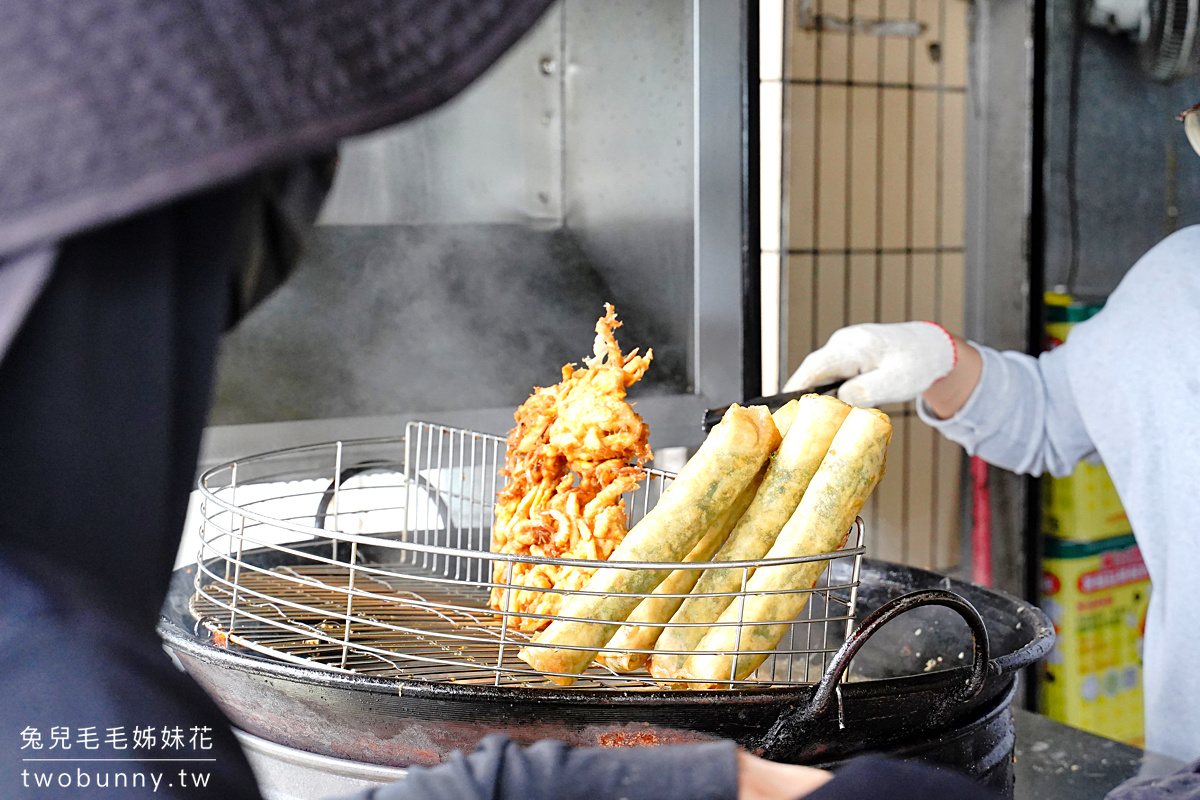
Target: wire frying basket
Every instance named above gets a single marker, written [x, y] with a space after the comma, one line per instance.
[373, 557]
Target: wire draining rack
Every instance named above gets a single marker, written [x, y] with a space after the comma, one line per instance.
[372, 556]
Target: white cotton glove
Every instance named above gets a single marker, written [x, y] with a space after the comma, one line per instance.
[893, 363]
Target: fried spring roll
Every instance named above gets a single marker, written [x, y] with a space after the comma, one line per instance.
[659, 609]
[784, 416]
[732, 455]
[636, 634]
[817, 420]
[843, 482]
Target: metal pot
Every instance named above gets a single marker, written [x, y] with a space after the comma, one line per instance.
[949, 658]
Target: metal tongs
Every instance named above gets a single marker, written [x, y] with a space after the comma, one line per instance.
[714, 415]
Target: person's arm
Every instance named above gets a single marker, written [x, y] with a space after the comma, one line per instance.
[549, 770]
[1020, 415]
[759, 779]
[1013, 410]
[950, 393]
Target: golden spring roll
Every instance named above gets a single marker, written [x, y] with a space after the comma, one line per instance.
[732, 455]
[843, 482]
[636, 634]
[659, 609]
[784, 416]
[817, 420]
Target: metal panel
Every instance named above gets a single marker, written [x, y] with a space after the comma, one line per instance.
[630, 160]
[638, 133]
[493, 154]
[653, 173]
[720, 56]
[998, 206]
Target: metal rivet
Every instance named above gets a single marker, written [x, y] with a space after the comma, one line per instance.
[546, 65]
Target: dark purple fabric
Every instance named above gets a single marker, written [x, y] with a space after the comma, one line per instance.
[501, 770]
[75, 670]
[1181, 785]
[103, 396]
[110, 106]
[548, 770]
[104, 393]
[879, 778]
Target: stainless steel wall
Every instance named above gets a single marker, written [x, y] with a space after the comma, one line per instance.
[588, 125]
[462, 258]
[492, 155]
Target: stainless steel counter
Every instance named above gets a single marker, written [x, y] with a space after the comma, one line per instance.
[1058, 762]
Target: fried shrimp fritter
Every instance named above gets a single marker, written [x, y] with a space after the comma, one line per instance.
[577, 448]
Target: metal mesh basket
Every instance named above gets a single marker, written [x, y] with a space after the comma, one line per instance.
[372, 556]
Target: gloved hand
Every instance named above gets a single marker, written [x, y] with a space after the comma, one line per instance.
[893, 363]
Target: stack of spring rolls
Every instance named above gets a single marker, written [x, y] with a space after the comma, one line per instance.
[760, 487]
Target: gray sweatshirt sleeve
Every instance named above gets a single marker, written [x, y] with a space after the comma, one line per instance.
[549, 770]
[1022, 416]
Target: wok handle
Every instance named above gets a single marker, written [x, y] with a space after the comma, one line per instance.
[777, 740]
[776, 401]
